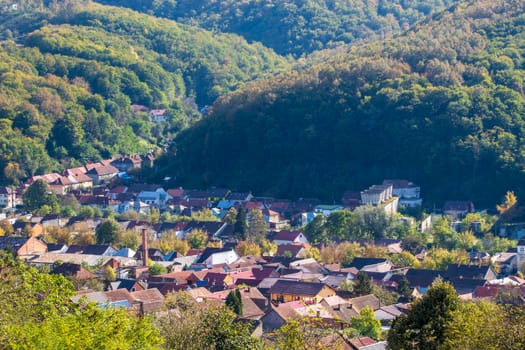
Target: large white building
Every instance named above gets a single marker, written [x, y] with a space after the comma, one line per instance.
[380, 195]
[408, 193]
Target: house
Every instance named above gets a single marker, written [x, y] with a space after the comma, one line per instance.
[99, 249]
[147, 301]
[351, 199]
[102, 173]
[307, 292]
[505, 263]
[371, 264]
[125, 164]
[76, 271]
[326, 210]
[239, 196]
[214, 229]
[158, 198]
[23, 247]
[29, 228]
[291, 250]
[288, 237]
[158, 115]
[470, 272]
[458, 209]
[217, 256]
[130, 285]
[408, 193]
[8, 197]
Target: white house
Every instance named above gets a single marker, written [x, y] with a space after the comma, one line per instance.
[8, 198]
[157, 198]
[289, 237]
[221, 257]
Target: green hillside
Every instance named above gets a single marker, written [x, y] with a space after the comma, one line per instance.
[70, 73]
[295, 27]
[442, 106]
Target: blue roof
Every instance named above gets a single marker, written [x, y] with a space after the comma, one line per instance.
[225, 204]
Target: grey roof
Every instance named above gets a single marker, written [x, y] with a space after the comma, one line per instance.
[296, 288]
[13, 242]
[359, 263]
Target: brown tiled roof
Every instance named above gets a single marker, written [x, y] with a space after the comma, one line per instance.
[286, 235]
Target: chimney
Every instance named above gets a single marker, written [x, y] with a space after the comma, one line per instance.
[144, 248]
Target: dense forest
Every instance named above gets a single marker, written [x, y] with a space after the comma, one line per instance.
[441, 105]
[70, 71]
[295, 27]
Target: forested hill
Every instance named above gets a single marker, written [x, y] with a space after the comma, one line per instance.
[295, 26]
[442, 105]
[70, 71]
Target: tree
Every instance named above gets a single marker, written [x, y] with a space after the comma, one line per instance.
[315, 230]
[198, 326]
[245, 248]
[366, 323]
[404, 287]
[197, 239]
[7, 227]
[240, 229]
[475, 325]
[256, 224]
[509, 202]
[108, 275]
[234, 301]
[403, 259]
[362, 284]
[38, 313]
[423, 327]
[157, 269]
[38, 195]
[304, 333]
[107, 231]
[231, 216]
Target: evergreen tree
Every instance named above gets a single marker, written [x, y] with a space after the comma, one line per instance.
[234, 301]
[404, 288]
[362, 284]
[240, 228]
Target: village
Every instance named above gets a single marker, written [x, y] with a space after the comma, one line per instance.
[130, 245]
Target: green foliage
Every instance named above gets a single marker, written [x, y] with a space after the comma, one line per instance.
[366, 323]
[256, 224]
[198, 326]
[240, 229]
[304, 333]
[234, 301]
[362, 284]
[424, 326]
[294, 27]
[404, 287]
[197, 239]
[38, 313]
[157, 269]
[107, 231]
[38, 195]
[66, 90]
[433, 100]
